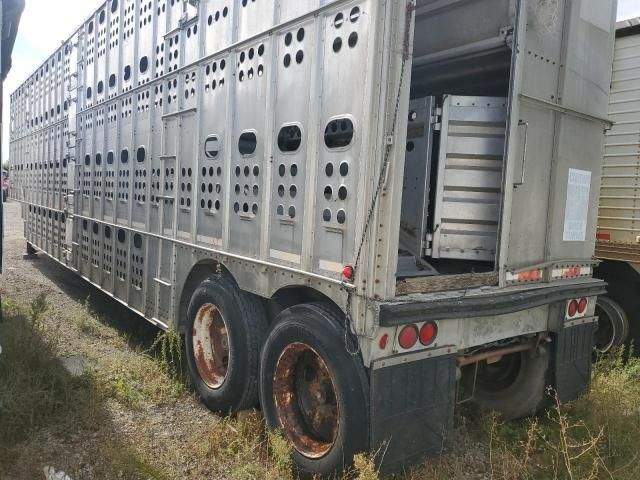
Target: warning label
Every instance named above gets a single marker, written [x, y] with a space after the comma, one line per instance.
[577, 209]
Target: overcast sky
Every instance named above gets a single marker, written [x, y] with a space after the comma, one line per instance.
[46, 24]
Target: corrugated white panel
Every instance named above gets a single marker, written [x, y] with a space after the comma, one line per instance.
[619, 215]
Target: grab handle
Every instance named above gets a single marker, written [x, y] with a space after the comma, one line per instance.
[524, 152]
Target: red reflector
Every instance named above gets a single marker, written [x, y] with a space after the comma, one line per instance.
[573, 308]
[408, 336]
[603, 236]
[383, 341]
[571, 272]
[582, 305]
[530, 276]
[347, 272]
[428, 333]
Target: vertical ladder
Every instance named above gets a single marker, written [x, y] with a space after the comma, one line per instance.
[72, 142]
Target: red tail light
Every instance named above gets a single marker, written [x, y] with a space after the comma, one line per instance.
[428, 333]
[573, 308]
[408, 336]
[347, 272]
[383, 341]
[582, 305]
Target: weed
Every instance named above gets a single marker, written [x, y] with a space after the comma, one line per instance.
[169, 344]
[121, 384]
[10, 307]
[248, 471]
[240, 448]
[87, 321]
[137, 380]
[365, 467]
[39, 307]
[125, 463]
[280, 451]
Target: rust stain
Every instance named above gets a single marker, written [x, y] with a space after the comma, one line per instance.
[211, 345]
[307, 407]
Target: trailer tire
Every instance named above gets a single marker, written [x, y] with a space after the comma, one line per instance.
[225, 331]
[613, 325]
[306, 370]
[515, 387]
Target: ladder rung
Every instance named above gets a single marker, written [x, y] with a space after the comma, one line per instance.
[162, 282]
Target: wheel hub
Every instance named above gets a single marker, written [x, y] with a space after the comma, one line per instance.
[211, 345]
[306, 401]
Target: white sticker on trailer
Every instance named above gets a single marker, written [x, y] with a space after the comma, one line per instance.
[577, 207]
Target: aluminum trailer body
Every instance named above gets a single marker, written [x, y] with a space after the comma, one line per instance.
[384, 201]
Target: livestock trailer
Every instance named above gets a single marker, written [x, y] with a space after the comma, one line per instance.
[618, 233]
[358, 213]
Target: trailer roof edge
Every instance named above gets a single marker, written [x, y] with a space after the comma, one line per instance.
[628, 27]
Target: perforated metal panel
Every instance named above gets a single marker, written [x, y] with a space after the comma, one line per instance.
[342, 121]
[291, 147]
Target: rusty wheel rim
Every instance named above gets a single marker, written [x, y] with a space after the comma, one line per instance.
[211, 345]
[306, 400]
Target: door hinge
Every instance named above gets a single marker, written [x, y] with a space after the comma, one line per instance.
[436, 119]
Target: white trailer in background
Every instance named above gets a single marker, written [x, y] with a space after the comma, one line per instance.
[357, 212]
[618, 234]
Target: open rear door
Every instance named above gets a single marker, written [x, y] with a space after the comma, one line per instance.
[555, 130]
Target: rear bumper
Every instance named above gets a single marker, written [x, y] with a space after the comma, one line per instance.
[486, 304]
[413, 399]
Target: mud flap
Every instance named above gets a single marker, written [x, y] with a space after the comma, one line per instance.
[571, 360]
[411, 409]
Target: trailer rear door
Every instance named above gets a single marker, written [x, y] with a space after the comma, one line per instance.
[559, 103]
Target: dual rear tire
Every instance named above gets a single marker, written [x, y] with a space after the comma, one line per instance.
[514, 386]
[613, 325]
[310, 388]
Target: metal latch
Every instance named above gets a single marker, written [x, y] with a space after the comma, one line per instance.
[427, 244]
[507, 34]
